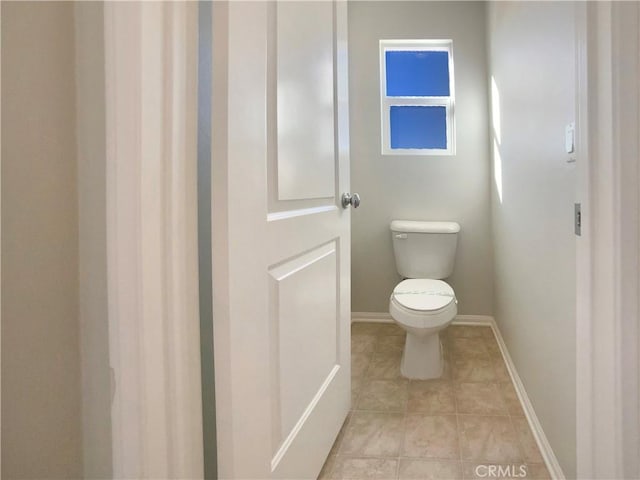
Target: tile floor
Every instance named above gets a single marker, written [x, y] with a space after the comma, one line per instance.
[434, 429]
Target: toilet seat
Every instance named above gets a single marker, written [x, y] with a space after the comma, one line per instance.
[423, 295]
[423, 305]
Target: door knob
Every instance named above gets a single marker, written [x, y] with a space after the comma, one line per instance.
[349, 199]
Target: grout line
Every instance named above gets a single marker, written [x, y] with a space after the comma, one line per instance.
[459, 427]
[405, 419]
[518, 442]
[356, 400]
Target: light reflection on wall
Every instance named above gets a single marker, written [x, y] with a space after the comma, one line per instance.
[495, 122]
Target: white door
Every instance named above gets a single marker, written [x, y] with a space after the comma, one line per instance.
[281, 236]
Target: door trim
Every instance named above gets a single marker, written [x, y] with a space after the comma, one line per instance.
[608, 286]
[154, 337]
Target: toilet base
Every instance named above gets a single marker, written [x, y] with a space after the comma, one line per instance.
[422, 357]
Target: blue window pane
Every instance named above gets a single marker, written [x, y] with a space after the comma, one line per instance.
[417, 74]
[418, 127]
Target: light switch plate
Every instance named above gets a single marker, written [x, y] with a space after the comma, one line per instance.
[570, 141]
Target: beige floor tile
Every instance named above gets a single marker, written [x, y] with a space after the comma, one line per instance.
[493, 349]
[372, 434]
[464, 331]
[365, 328]
[356, 386]
[385, 366]
[491, 344]
[480, 399]
[355, 468]
[464, 347]
[432, 397]
[537, 471]
[384, 395]
[487, 333]
[390, 343]
[391, 329]
[364, 343]
[509, 471]
[410, 428]
[422, 429]
[502, 374]
[340, 436]
[431, 436]
[488, 439]
[511, 398]
[527, 442]
[447, 368]
[327, 468]
[359, 364]
[445, 344]
[414, 469]
[479, 369]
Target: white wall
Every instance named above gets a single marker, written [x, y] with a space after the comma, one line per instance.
[532, 59]
[41, 421]
[419, 188]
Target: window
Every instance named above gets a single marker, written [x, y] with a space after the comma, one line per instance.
[416, 97]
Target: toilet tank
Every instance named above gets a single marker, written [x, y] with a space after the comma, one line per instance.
[424, 249]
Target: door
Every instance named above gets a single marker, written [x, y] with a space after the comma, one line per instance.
[281, 238]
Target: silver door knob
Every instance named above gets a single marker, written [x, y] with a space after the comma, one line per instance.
[349, 199]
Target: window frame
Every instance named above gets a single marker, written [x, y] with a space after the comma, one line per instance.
[387, 102]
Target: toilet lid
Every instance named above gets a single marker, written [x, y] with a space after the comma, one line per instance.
[423, 294]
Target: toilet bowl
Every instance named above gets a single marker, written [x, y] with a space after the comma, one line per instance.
[422, 303]
[422, 307]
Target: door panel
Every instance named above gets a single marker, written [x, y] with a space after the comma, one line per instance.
[288, 241]
[305, 113]
[303, 299]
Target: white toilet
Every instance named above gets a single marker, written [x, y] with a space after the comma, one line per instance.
[423, 304]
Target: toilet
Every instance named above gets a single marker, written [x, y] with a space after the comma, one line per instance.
[422, 303]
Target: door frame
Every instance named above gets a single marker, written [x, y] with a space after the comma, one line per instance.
[608, 252]
[152, 265]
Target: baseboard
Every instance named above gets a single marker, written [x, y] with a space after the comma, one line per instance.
[485, 320]
[481, 320]
[374, 317]
[377, 317]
